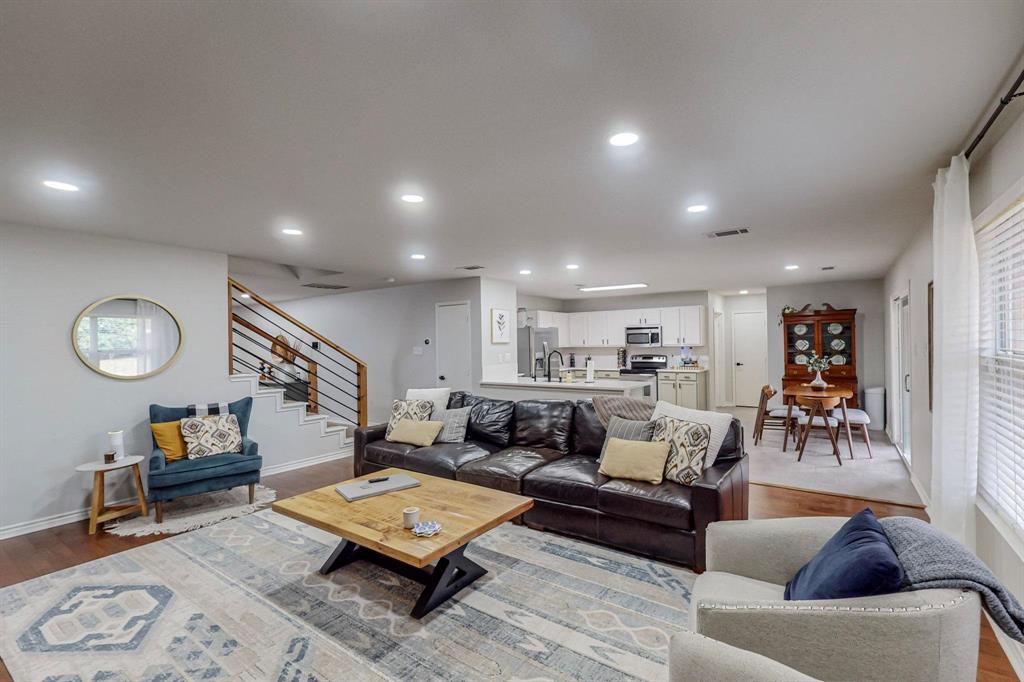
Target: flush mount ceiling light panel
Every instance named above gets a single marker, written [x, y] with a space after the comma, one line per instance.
[614, 287]
[292, 231]
[744, 292]
[623, 139]
[62, 186]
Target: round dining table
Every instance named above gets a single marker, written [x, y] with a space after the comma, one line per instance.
[816, 399]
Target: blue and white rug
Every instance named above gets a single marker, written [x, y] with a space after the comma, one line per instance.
[242, 600]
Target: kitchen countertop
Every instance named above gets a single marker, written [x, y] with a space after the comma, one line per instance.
[598, 384]
[693, 371]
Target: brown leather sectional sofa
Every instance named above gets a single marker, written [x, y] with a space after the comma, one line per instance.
[547, 450]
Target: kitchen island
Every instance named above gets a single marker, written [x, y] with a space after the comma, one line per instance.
[526, 388]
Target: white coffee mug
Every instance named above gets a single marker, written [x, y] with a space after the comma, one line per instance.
[410, 516]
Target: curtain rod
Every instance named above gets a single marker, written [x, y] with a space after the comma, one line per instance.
[1003, 102]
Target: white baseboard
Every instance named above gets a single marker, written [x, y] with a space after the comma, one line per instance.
[1014, 650]
[346, 451]
[24, 527]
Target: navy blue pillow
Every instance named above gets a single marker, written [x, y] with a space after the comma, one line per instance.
[857, 561]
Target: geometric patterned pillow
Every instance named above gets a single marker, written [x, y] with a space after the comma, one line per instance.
[687, 448]
[416, 410]
[205, 436]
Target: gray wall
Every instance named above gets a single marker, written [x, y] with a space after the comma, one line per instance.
[539, 303]
[384, 328]
[867, 296]
[666, 300]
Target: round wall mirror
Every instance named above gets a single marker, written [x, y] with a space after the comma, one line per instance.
[127, 337]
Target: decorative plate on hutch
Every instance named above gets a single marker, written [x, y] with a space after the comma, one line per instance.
[835, 328]
[838, 359]
[838, 344]
[802, 344]
[800, 329]
[801, 359]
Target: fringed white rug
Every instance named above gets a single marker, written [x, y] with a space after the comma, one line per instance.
[195, 511]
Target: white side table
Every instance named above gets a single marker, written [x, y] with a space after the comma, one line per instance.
[99, 512]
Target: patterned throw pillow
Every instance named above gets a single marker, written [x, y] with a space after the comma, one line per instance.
[416, 410]
[687, 448]
[456, 421]
[205, 436]
[626, 429]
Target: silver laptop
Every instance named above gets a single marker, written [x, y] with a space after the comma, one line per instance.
[358, 490]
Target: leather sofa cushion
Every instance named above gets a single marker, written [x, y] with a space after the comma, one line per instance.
[181, 471]
[444, 459]
[731, 445]
[543, 424]
[490, 420]
[666, 503]
[588, 434]
[505, 469]
[387, 454]
[456, 399]
[571, 480]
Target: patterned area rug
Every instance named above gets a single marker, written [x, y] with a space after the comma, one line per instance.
[195, 511]
[242, 600]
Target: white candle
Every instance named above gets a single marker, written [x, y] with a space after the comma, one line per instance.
[117, 443]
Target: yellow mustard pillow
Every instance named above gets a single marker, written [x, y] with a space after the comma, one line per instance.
[414, 432]
[637, 460]
[169, 439]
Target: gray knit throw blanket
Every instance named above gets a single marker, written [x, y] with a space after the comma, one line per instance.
[933, 560]
[608, 406]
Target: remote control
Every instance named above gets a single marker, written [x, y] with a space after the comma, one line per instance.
[378, 480]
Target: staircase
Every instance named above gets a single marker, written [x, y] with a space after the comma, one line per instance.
[308, 393]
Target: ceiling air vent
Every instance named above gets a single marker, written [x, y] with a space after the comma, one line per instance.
[332, 287]
[828, 267]
[728, 233]
[470, 267]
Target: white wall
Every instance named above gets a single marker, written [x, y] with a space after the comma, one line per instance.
[387, 329]
[911, 274]
[531, 302]
[865, 295]
[742, 304]
[499, 361]
[54, 411]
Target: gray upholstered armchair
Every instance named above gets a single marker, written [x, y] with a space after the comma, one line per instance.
[742, 628]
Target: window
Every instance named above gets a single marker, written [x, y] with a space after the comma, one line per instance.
[1001, 410]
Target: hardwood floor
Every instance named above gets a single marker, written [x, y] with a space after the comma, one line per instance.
[36, 554]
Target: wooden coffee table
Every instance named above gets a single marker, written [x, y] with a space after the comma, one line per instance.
[372, 529]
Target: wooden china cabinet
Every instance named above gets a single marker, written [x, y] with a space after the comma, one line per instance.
[830, 333]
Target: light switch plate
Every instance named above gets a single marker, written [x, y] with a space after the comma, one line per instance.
[417, 350]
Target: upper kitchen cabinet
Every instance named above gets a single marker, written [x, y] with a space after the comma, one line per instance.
[683, 326]
[553, 320]
[597, 328]
[577, 330]
[645, 317]
[616, 322]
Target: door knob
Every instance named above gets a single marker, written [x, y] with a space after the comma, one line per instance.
[739, 364]
[441, 377]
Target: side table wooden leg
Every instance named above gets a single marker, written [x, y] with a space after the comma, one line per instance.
[143, 505]
[97, 501]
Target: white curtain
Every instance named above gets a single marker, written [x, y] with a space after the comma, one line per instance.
[157, 336]
[955, 382]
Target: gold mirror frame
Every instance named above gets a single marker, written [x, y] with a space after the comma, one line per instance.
[85, 361]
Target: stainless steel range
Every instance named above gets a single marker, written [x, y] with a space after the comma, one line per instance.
[645, 364]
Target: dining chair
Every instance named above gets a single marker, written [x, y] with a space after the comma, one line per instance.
[821, 420]
[857, 418]
[772, 419]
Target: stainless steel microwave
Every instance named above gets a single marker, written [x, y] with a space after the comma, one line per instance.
[643, 336]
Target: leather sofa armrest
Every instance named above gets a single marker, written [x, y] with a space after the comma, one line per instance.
[364, 436]
[720, 494]
[250, 447]
[158, 460]
[692, 657]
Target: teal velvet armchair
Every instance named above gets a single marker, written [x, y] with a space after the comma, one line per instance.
[178, 478]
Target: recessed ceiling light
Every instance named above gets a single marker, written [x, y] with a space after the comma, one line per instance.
[623, 139]
[412, 198]
[291, 231]
[743, 292]
[613, 287]
[525, 272]
[792, 267]
[572, 266]
[62, 186]
[418, 256]
[696, 208]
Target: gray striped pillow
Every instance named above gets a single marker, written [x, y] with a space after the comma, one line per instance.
[455, 420]
[627, 429]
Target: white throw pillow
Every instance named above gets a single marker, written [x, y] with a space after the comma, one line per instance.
[438, 396]
[718, 422]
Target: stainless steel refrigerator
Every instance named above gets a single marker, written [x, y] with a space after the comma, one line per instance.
[534, 345]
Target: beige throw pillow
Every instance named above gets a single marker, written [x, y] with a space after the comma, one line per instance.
[636, 460]
[418, 433]
[416, 410]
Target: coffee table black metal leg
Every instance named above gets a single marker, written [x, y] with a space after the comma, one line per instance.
[451, 573]
[345, 553]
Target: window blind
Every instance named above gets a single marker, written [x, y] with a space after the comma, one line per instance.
[1001, 377]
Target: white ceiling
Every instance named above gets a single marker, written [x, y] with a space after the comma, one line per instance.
[212, 124]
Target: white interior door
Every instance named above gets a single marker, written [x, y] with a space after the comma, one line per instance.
[904, 387]
[454, 346]
[749, 354]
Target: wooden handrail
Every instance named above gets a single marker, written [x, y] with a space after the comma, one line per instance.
[315, 334]
[361, 406]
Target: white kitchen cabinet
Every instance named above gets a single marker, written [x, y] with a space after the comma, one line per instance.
[670, 329]
[616, 322]
[562, 324]
[545, 318]
[686, 389]
[577, 330]
[597, 328]
[651, 317]
[692, 325]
